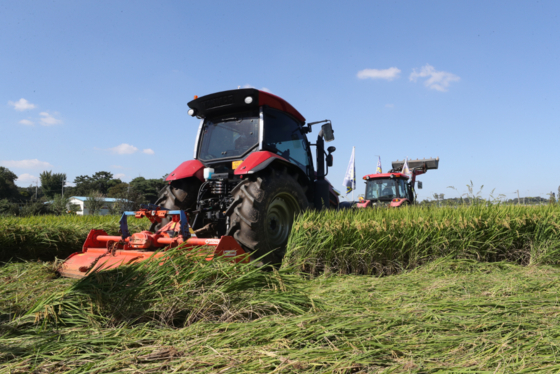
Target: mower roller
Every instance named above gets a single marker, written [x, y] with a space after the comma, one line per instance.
[103, 251]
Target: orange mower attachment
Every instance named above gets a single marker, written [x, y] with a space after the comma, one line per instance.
[102, 251]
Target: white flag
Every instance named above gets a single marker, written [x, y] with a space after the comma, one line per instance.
[350, 177]
[405, 169]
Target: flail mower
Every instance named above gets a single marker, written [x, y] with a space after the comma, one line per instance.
[252, 173]
[101, 251]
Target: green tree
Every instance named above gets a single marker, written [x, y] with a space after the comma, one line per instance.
[94, 202]
[8, 188]
[8, 208]
[149, 188]
[101, 182]
[52, 183]
[60, 205]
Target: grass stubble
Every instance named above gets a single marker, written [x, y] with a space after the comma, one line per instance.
[452, 313]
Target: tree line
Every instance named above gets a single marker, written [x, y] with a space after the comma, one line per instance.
[52, 196]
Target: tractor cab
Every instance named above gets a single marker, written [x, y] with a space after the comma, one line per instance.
[394, 188]
[240, 122]
[386, 187]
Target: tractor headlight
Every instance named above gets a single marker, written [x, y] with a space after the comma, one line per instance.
[248, 100]
[191, 112]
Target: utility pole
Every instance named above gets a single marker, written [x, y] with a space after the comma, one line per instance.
[63, 183]
[518, 200]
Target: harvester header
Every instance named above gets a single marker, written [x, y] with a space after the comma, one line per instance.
[427, 163]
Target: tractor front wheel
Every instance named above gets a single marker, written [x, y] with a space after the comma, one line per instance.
[263, 211]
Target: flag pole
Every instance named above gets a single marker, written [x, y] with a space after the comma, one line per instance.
[353, 152]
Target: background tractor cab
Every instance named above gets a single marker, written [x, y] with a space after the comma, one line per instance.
[394, 188]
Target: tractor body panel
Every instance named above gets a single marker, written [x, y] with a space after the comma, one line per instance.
[187, 169]
[257, 161]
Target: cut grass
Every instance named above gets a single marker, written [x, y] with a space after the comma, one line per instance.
[448, 315]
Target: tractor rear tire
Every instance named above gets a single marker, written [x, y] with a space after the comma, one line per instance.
[263, 211]
[180, 194]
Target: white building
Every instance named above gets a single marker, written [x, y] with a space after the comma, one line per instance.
[83, 211]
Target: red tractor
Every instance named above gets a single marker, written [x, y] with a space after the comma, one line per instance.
[252, 171]
[394, 188]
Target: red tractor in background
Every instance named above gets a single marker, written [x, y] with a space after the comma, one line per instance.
[252, 171]
[394, 188]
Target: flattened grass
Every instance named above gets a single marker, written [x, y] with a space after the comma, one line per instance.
[448, 315]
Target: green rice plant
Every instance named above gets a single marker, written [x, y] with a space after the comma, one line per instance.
[386, 241]
[47, 237]
[175, 290]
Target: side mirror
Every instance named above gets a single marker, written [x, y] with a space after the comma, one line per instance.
[331, 149]
[419, 185]
[328, 133]
[329, 160]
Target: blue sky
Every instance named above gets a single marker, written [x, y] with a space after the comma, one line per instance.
[87, 86]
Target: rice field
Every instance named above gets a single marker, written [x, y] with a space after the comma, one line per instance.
[439, 306]
[48, 237]
[383, 241]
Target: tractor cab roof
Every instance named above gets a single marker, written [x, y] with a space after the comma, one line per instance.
[385, 175]
[239, 100]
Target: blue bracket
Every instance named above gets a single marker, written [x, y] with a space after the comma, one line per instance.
[124, 224]
[183, 222]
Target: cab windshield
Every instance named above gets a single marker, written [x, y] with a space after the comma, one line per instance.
[385, 189]
[229, 136]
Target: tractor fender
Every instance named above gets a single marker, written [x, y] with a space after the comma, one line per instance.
[363, 204]
[192, 168]
[258, 161]
[401, 202]
[261, 160]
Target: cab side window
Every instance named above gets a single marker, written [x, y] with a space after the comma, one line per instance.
[283, 136]
[402, 189]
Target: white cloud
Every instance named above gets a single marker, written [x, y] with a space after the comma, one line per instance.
[117, 167]
[119, 176]
[26, 122]
[391, 106]
[21, 105]
[266, 90]
[26, 178]
[124, 149]
[148, 151]
[26, 164]
[437, 80]
[47, 119]
[388, 74]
